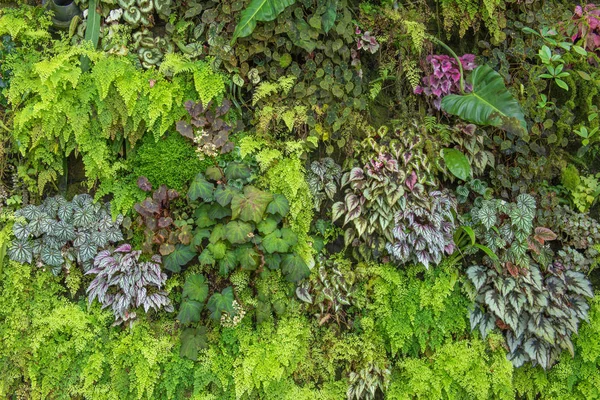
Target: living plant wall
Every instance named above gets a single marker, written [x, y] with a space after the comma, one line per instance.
[299, 199]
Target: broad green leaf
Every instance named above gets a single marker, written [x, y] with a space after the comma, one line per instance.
[181, 256]
[200, 187]
[248, 257]
[457, 163]
[237, 232]
[478, 276]
[495, 302]
[92, 30]
[237, 170]
[216, 211]
[220, 303]
[280, 205]
[195, 288]
[267, 225]
[490, 103]
[294, 268]
[224, 194]
[189, 311]
[273, 243]
[329, 16]
[251, 205]
[206, 257]
[203, 218]
[259, 10]
[192, 341]
[228, 263]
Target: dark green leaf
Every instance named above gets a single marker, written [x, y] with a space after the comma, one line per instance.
[490, 103]
[178, 258]
[220, 303]
[195, 288]
[189, 311]
[259, 10]
[294, 268]
[201, 188]
[238, 232]
[250, 206]
[279, 205]
[192, 340]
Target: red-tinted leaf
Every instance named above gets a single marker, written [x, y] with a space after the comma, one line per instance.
[512, 269]
[147, 208]
[544, 234]
[165, 222]
[144, 184]
[411, 180]
[185, 129]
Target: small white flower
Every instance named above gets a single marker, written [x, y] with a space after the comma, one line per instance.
[114, 15]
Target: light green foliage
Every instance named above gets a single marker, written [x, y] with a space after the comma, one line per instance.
[170, 161]
[94, 112]
[287, 178]
[25, 24]
[463, 369]
[416, 315]
[465, 14]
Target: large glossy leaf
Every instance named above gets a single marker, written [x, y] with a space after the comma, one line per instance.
[181, 256]
[195, 288]
[259, 10]
[490, 103]
[457, 163]
[251, 205]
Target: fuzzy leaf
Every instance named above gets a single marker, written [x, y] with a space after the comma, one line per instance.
[192, 341]
[279, 205]
[195, 288]
[294, 268]
[250, 206]
[189, 311]
[220, 303]
[200, 187]
[237, 232]
[179, 257]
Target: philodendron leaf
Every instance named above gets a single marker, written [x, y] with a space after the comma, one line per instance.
[195, 288]
[259, 10]
[490, 103]
[457, 163]
[180, 256]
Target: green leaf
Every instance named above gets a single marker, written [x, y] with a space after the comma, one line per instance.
[92, 31]
[273, 243]
[495, 302]
[195, 288]
[237, 170]
[220, 303]
[478, 276]
[181, 256]
[228, 263]
[250, 206]
[490, 103]
[189, 311]
[237, 232]
[562, 84]
[329, 16]
[457, 163]
[203, 218]
[267, 225]
[248, 257]
[200, 187]
[578, 283]
[192, 341]
[259, 10]
[536, 349]
[280, 205]
[224, 194]
[206, 257]
[294, 268]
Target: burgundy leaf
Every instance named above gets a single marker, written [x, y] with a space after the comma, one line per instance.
[165, 222]
[144, 184]
[185, 129]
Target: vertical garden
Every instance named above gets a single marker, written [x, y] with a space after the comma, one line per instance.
[299, 199]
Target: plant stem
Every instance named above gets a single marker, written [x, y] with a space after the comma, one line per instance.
[453, 54]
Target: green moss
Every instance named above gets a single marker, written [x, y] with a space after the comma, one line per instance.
[171, 161]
